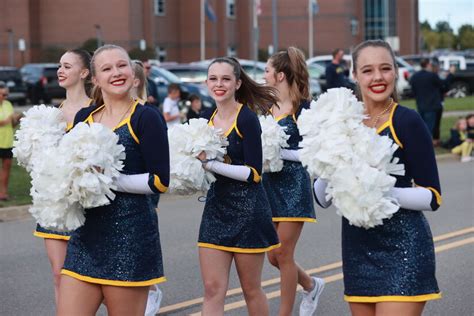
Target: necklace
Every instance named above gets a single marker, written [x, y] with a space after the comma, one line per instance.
[377, 118]
[121, 118]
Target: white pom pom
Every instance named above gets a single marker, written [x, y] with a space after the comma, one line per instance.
[187, 141]
[356, 161]
[41, 127]
[77, 174]
[274, 139]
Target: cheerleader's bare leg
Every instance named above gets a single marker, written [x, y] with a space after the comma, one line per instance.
[290, 273]
[362, 309]
[123, 300]
[399, 308]
[249, 269]
[215, 267]
[78, 298]
[56, 251]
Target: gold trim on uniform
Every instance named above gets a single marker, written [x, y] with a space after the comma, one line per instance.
[392, 298]
[112, 282]
[236, 249]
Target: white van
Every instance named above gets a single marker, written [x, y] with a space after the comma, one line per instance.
[405, 70]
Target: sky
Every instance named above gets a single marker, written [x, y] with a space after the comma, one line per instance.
[456, 12]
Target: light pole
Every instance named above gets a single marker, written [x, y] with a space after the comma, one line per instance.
[11, 47]
[98, 34]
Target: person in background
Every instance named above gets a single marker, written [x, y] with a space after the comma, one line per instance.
[466, 136]
[155, 295]
[457, 134]
[151, 88]
[171, 111]
[428, 90]
[8, 120]
[445, 88]
[336, 71]
[195, 107]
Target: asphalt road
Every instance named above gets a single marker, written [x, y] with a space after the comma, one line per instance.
[26, 284]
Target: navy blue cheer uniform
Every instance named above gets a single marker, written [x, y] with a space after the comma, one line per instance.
[289, 190]
[396, 261]
[237, 216]
[48, 233]
[119, 243]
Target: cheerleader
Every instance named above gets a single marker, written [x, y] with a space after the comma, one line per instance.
[236, 222]
[289, 190]
[74, 76]
[390, 269]
[116, 255]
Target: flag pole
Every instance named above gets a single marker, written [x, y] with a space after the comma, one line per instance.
[310, 28]
[203, 31]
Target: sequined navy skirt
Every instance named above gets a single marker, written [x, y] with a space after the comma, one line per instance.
[289, 193]
[50, 234]
[237, 218]
[391, 262]
[118, 245]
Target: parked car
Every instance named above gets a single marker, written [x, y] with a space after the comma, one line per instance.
[42, 82]
[163, 78]
[405, 70]
[188, 73]
[318, 73]
[17, 89]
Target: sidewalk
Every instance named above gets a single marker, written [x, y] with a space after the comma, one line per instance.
[457, 113]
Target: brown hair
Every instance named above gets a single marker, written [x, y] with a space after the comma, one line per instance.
[96, 92]
[257, 97]
[293, 64]
[374, 43]
[85, 58]
[140, 75]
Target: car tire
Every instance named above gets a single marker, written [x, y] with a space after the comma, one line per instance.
[458, 89]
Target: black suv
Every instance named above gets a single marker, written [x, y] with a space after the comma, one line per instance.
[42, 82]
[12, 78]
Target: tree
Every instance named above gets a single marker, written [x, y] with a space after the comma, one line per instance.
[90, 45]
[51, 54]
[425, 26]
[137, 53]
[466, 36]
[443, 26]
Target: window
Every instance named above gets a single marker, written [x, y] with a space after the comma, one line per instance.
[161, 53]
[380, 19]
[231, 8]
[159, 7]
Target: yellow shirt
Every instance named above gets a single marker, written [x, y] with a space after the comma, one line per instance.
[6, 131]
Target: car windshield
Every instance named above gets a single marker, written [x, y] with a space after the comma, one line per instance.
[167, 75]
[6, 75]
[190, 75]
[315, 70]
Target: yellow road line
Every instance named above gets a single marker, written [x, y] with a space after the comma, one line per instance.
[339, 276]
[454, 234]
[324, 268]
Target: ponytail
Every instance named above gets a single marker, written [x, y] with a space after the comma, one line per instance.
[292, 63]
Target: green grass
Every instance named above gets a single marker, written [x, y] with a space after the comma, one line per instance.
[18, 187]
[450, 104]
